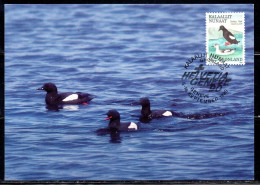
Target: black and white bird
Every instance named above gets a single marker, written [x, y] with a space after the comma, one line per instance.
[228, 36]
[147, 113]
[116, 125]
[53, 98]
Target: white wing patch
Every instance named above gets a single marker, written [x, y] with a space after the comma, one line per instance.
[132, 126]
[167, 113]
[71, 97]
[230, 36]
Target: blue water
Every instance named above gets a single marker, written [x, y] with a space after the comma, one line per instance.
[120, 53]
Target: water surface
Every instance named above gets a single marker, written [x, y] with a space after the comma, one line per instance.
[120, 53]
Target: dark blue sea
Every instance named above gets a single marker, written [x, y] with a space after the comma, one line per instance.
[120, 53]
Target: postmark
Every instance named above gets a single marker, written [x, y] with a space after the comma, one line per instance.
[205, 84]
[225, 38]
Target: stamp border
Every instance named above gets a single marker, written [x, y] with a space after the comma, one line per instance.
[206, 46]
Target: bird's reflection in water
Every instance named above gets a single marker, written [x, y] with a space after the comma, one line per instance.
[115, 137]
[71, 107]
[54, 107]
[114, 134]
[65, 107]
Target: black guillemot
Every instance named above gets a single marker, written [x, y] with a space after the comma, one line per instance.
[53, 98]
[150, 114]
[116, 125]
[228, 36]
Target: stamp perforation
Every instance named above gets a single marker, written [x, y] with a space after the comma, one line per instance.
[221, 52]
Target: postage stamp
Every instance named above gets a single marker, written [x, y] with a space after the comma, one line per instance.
[225, 38]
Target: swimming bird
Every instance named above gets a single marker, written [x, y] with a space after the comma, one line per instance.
[228, 36]
[53, 98]
[150, 114]
[116, 125]
[147, 114]
[223, 51]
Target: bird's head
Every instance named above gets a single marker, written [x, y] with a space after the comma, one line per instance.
[49, 87]
[221, 28]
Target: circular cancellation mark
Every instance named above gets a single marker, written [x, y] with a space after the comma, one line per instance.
[202, 85]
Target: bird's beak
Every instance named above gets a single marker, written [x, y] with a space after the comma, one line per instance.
[41, 88]
[108, 117]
